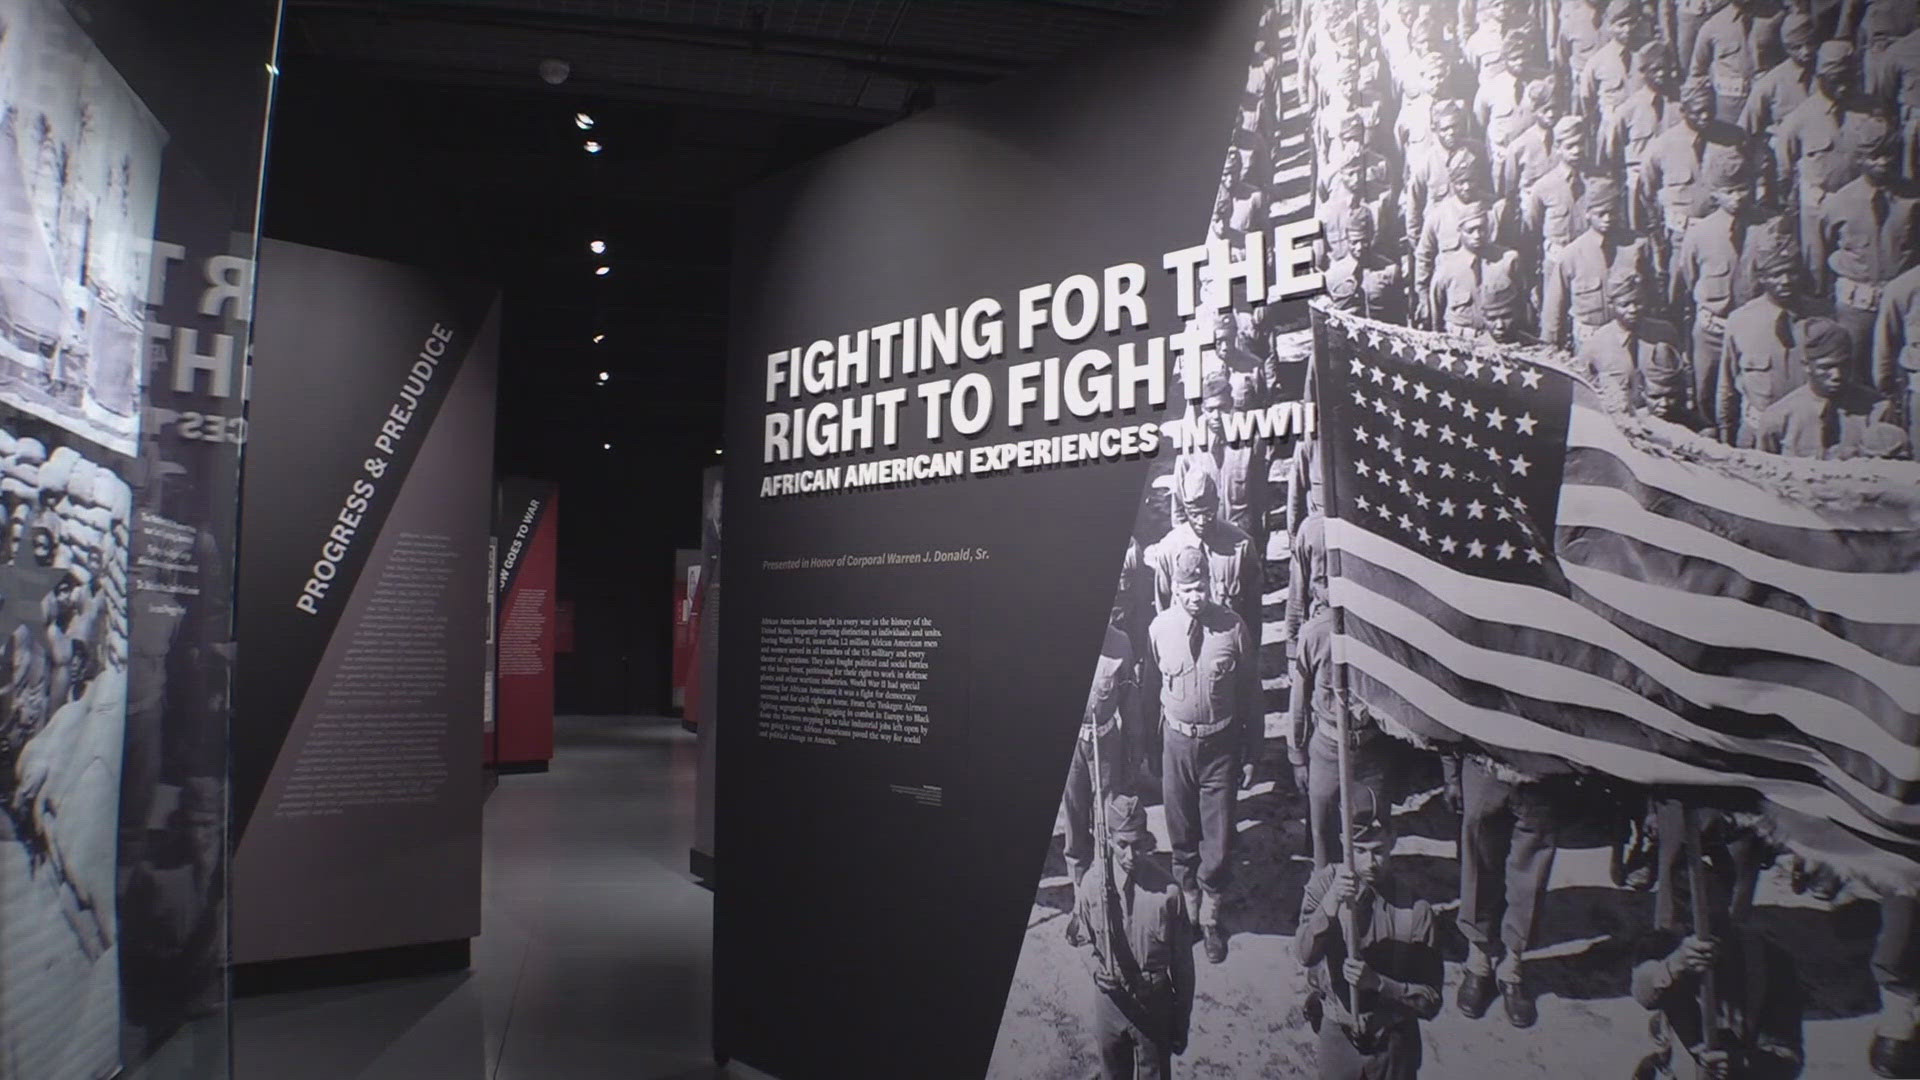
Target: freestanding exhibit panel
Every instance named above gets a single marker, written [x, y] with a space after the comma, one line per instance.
[528, 528]
[1348, 539]
[368, 513]
[130, 148]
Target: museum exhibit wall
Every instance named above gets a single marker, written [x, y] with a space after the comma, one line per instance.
[528, 528]
[367, 513]
[1256, 461]
[130, 148]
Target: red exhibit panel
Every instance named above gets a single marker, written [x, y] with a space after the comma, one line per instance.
[526, 633]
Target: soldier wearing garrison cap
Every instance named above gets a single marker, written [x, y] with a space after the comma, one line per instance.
[1313, 744]
[1550, 212]
[1648, 109]
[1468, 191]
[1141, 961]
[1760, 363]
[1238, 469]
[1830, 415]
[1235, 575]
[1735, 47]
[1210, 707]
[1362, 279]
[1816, 149]
[1673, 178]
[1459, 275]
[1367, 1002]
[1429, 178]
[1574, 289]
[1786, 84]
[1716, 267]
[1504, 316]
[1870, 229]
[1618, 353]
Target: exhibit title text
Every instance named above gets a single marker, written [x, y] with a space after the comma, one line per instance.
[387, 444]
[830, 397]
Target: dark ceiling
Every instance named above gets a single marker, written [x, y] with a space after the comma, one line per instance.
[422, 131]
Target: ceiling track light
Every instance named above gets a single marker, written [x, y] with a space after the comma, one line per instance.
[593, 146]
[583, 121]
[598, 247]
[598, 338]
[602, 271]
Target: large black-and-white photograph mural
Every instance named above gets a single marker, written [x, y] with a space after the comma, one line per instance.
[79, 181]
[1553, 708]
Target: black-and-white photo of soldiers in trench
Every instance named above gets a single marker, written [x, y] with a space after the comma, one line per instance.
[63, 664]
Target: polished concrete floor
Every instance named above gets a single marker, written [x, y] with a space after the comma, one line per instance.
[595, 955]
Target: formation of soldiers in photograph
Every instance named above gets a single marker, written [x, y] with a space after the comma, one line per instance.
[1711, 208]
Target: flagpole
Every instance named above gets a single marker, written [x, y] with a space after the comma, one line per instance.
[1102, 925]
[1330, 505]
[1702, 926]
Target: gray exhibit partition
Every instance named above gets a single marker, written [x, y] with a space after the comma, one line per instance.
[367, 518]
[131, 137]
[1354, 539]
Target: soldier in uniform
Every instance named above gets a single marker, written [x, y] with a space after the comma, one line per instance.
[1368, 1002]
[1362, 280]
[1454, 298]
[1233, 562]
[1715, 269]
[1830, 415]
[1314, 745]
[1620, 353]
[1108, 718]
[1646, 112]
[1503, 310]
[1430, 171]
[1759, 364]
[1673, 178]
[1667, 382]
[1143, 992]
[1468, 193]
[1786, 84]
[1500, 103]
[1757, 1029]
[1520, 164]
[1506, 856]
[1239, 472]
[1574, 293]
[1605, 80]
[1550, 213]
[1896, 350]
[1351, 189]
[1736, 46]
[1871, 230]
[1816, 148]
[1209, 669]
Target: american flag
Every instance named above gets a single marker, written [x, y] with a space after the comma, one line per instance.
[1514, 567]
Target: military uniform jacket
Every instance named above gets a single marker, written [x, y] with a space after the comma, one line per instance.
[1376, 290]
[1717, 266]
[1818, 145]
[1457, 278]
[1603, 85]
[1315, 701]
[1575, 290]
[1113, 677]
[1233, 567]
[1397, 942]
[1551, 210]
[1873, 235]
[1673, 178]
[1217, 685]
[1732, 49]
[1239, 475]
[1759, 997]
[1804, 424]
[1896, 333]
[1633, 126]
[1775, 94]
[1758, 364]
[1154, 942]
[1440, 232]
[1618, 358]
